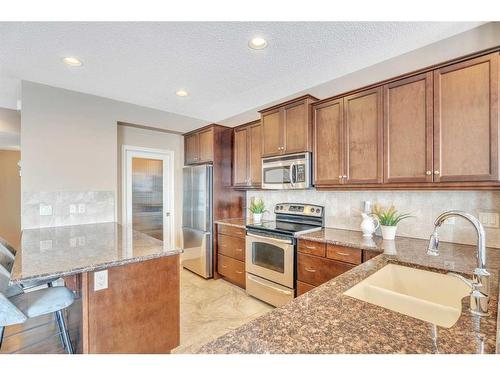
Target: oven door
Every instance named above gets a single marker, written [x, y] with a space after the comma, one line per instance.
[270, 258]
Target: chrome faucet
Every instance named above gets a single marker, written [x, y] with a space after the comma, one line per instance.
[479, 296]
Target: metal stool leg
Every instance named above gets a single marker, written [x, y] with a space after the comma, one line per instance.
[64, 332]
[60, 330]
[2, 329]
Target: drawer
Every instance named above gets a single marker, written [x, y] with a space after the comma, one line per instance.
[369, 254]
[233, 247]
[231, 231]
[344, 254]
[303, 288]
[315, 270]
[233, 270]
[312, 248]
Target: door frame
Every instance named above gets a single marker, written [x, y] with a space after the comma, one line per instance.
[168, 185]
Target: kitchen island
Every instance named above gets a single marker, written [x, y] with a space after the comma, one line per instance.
[324, 320]
[126, 283]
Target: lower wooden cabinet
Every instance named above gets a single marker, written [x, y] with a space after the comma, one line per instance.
[231, 254]
[303, 288]
[318, 270]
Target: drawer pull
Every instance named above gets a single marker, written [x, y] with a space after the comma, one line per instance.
[310, 247]
[223, 266]
[343, 254]
[239, 272]
[310, 270]
[240, 250]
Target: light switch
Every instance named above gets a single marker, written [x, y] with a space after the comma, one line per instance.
[45, 245]
[81, 208]
[100, 280]
[45, 209]
[72, 209]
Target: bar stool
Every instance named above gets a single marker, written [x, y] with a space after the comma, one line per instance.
[17, 308]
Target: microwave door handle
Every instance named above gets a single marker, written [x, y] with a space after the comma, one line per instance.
[292, 167]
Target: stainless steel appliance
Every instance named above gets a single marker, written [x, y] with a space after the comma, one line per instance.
[271, 251]
[287, 172]
[197, 217]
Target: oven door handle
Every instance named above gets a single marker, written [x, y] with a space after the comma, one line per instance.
[287, 292]
[289, 242]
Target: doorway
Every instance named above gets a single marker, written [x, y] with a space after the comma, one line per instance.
[148, 193]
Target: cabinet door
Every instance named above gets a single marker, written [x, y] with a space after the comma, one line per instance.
[408, 130]
[296, 128]
[272, 133]
[363, 137]
[241, 162]
[327, 129]
[466, 121]
[191, 148]
[206, 145]
[255, 154]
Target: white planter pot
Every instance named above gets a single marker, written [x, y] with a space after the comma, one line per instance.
[388, 233]
[257, 218]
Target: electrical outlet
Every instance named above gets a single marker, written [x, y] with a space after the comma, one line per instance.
[45, 209]
[489, 219]
[72, 242]
[45, 245]
[72, 209]
[81, 241]
[81, 208]
[100, 280]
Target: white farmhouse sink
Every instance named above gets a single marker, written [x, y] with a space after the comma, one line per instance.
[430, 296]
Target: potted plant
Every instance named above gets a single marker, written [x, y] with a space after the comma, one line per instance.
[257, 208]
[389, 219]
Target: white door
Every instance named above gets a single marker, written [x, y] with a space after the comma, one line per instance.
[148, 192]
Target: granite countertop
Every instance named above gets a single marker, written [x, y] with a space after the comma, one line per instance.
[62, 251]
[237, 222]
[325, 320]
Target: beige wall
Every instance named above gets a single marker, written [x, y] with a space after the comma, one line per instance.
[10, 129]
[132, 136]
[10, 197]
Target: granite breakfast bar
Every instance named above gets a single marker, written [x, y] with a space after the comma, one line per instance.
[324, 320]
[134, 306]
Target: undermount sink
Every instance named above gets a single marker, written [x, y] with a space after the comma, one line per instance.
[430, 296]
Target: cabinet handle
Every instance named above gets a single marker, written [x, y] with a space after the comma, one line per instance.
[436, 172]
[310, 247]
[340, 177]
[240, 250]
[340, 253]
[428, 173]
[344, 176]
[310, 270]
[239, 272]
[223, 266]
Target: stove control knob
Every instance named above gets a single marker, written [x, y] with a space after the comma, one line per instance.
[318, 210]
[312, 209]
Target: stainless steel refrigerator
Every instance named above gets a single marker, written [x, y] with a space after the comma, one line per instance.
[197, 219]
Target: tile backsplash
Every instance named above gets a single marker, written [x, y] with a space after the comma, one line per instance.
[342, 209]
[98, 207]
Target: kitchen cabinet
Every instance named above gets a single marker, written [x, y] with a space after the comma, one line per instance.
[466, 121]
[247, 155]
[408, 127]
[287, 127]
[199, 146]
[231, 254]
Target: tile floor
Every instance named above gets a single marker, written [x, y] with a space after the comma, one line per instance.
[211, 308]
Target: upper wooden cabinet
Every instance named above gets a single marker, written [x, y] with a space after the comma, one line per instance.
[287, 127]
[408, 130]
[466, 121]
[247, 155]
[199, 146]
[363, 137]
[328, 119]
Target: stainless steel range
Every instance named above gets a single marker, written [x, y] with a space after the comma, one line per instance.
[271, 251]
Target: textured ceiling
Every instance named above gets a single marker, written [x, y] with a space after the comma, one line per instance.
[146, 63]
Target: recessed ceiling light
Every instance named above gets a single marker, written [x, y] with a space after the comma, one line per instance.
[257, 43]
[72, 61]
[181, 93]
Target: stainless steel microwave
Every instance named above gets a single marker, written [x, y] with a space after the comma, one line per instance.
[287, 172]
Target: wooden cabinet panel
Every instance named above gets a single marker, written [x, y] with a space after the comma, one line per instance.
[315, 270]
[206, 145]
[272, 141]
[363, 137]
[233, 247]
[296, 129]
[369, 254]
[328, 142]
[344, 254]
[303, 288]
[241, 161]
[255, 154]
[408, 116]
[312, 248]
[191, 148]
[232, 269]
[466, 121]
[231, 231]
